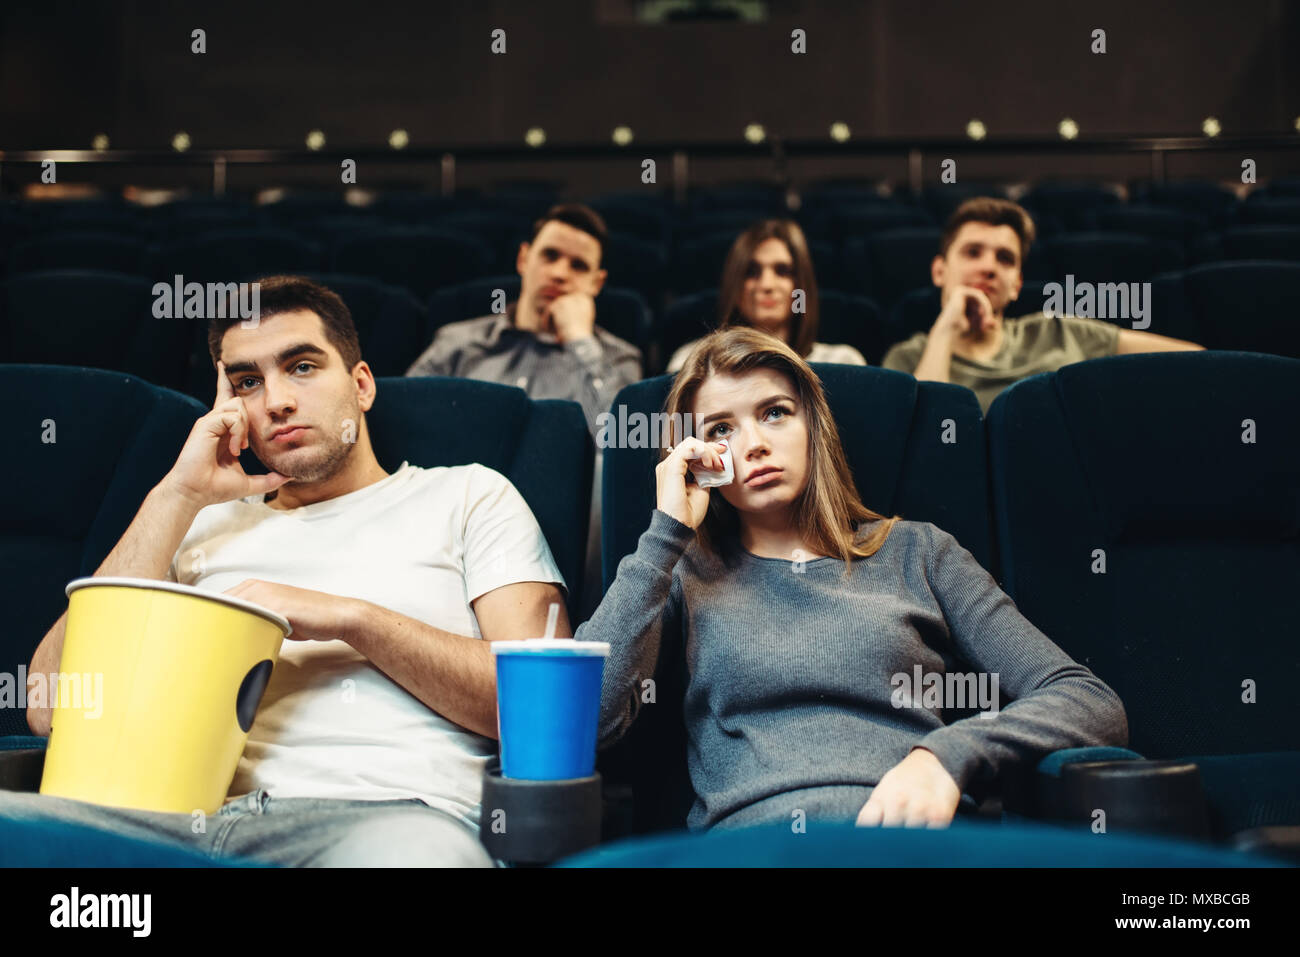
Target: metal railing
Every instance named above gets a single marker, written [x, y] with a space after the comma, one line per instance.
[912, 154]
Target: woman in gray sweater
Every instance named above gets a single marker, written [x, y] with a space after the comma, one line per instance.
[821, 638]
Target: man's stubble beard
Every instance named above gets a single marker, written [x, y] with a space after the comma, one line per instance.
[328, 458]
[333, 458]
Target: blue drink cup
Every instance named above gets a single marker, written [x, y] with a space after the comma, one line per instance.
[548, 706]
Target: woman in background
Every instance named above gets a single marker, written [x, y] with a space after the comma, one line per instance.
[766, 264]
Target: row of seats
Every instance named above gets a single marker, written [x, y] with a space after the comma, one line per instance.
[1143, 511]
[652, 214]
[884, 264]
[106, 320]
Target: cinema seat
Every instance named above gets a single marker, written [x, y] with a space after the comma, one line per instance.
[543, 446]
[1139, 461]
[637, 265]
[964, 843]
[1153, 222]
[91, 444]
[1204, 199]
[704, 224]
[187, 219]
[642, 219]
[80, 250]
[1072, 203]
[93, 215]
[890, 426]
[96, 319]
[1280, 187]
[765, 198]
[889, 264]
[410, 208]
[1244, 306]
[621, 312]
[1261, 242]
[1107, 257]
[421, 260]
[850, 222]
[857, 214]
[295, 208]
[234, 255]
[390, 322]
[55, 844]
[500, 232]
[943, 199]
[1269, 210]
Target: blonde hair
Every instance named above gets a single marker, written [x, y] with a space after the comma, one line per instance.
[828, 511]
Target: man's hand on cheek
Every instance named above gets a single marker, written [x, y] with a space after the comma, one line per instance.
[314, 615]
[916, 792]
[574, 315]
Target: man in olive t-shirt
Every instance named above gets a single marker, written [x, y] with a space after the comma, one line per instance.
[978, 269]
[1030, 345]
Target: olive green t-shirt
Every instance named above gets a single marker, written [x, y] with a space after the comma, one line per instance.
[1030, 345]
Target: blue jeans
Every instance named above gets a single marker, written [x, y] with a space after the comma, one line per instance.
[290, 832]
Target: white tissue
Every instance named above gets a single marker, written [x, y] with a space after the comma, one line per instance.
[707, 479]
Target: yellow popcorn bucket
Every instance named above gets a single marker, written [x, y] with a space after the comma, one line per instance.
[158, 685]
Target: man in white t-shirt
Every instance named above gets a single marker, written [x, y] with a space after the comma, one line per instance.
[370, 741]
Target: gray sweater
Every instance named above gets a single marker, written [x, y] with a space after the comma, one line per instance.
[793, 671]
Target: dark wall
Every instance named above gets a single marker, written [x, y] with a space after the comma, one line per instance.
[886, 67]
[578, 68]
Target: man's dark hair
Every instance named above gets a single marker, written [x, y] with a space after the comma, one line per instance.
[579, 217]
[994, 212]
[277, 294]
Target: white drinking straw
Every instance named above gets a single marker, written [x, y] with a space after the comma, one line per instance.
[552, 617]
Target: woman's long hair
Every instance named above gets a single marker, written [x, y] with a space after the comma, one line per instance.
[829, 511]
[803, 326]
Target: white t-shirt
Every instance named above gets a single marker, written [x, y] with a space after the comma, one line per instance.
[421, 542]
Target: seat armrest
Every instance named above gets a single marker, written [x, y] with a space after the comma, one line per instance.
[1036, 792]
[21, 768]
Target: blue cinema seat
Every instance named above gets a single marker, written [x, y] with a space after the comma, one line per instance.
[1261, 242]
[234, 255]
[1104, 257]
[76, 486]
[1139, 462]
[1072, 203]
[80, 249]
[422, 260]
[964, 843]
[103, 320]
[1210, 200]
[543, 446]
[890, 263]
[1246, 306]
[390, 321]
[1260, 209]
